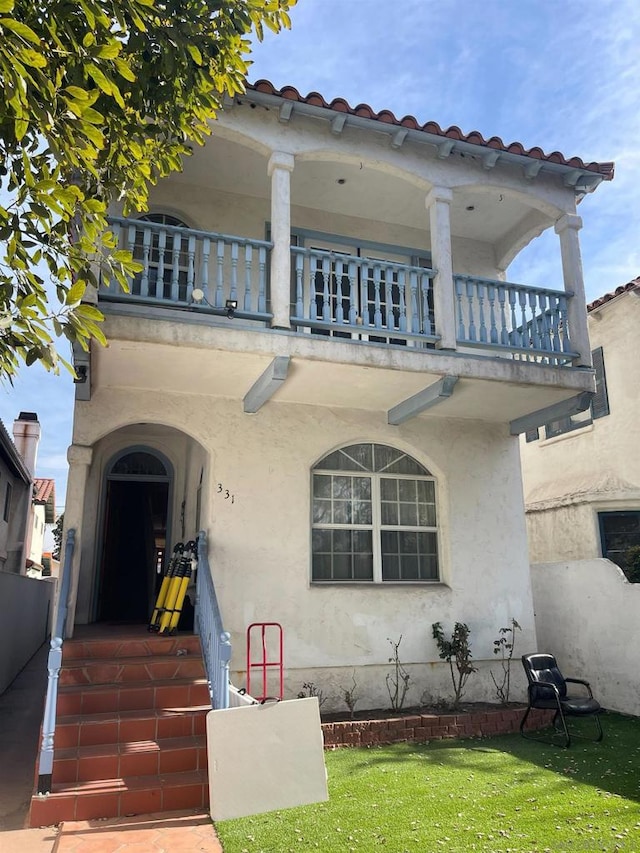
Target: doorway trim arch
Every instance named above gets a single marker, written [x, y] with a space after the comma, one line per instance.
[108, 476]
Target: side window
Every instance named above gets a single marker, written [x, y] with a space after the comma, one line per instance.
[599, 405]
[620, 536]
[374, 517]
[7, 501]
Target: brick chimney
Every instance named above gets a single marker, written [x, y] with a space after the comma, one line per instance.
[26, 436]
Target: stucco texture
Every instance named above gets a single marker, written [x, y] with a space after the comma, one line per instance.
[588, 616]
[260, 542]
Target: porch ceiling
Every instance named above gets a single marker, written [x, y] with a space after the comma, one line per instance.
[481, 213]
[315, 382]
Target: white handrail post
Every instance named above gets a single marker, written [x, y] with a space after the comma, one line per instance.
[225, 658]
[54, 662]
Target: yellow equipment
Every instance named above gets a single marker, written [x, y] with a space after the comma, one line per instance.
[177, 590]
[172, 567]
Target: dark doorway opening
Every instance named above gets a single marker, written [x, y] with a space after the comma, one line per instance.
[134, 542]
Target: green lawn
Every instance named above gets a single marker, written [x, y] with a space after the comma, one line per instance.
[498, 795]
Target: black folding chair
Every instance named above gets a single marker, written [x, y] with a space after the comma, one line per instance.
[548, 690]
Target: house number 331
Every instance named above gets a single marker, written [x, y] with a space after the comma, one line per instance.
[227, 494]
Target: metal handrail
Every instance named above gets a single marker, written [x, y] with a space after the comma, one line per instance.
[216, 642]
[54, 662]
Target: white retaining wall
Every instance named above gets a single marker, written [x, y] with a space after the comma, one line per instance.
[25, 608]
[588, 615]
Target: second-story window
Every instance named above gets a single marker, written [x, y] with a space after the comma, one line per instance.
[372, 290]
[164, 254]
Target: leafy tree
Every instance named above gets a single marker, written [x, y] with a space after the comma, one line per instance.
[100, 99]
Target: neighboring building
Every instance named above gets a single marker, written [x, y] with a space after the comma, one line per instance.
[43, 513]
[15, 502]
[27, 503]
[323, 365]
[582, 490]
[582, 473]
[25, 506]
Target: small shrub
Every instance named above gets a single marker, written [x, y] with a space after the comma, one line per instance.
[504, 646]
[455, 651]
[310, 689]
[350, 695]
[399, 680]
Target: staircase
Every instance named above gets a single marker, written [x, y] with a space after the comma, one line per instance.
[130, 731]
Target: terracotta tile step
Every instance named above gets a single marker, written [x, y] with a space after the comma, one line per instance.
[123, 760]
[135, 645]
[129, 696]
[118, 670]
[126, 726]
[119, 797]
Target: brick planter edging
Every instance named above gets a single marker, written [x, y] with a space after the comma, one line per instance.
[420, 728]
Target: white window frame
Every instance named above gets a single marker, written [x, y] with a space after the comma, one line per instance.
[376, 527]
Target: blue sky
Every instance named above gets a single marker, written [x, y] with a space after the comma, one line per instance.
[561, 74]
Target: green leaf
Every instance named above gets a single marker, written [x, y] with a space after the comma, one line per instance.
[31, 57]
[195, 53]
[75, 293]
[20, 29]
[77, 93]
[94, 72]
[107, 51]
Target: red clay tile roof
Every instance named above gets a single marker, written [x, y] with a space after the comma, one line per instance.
[454, 133]
[44, 492]
[624, 288]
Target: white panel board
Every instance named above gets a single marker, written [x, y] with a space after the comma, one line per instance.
[265, 757]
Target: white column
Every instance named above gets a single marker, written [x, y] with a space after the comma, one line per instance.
[567, 228]
[280, 167]
[438, 204]
[79, 458]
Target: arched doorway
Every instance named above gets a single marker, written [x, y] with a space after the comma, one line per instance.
[135, 524]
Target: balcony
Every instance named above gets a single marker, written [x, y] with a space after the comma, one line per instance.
[356, 299]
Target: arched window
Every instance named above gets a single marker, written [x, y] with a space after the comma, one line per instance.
[164, 254]
[373, 517]
[139, 463]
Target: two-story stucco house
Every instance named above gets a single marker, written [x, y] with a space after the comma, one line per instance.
[324, 366]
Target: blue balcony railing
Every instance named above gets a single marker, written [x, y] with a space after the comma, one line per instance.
[183, 267]
[342, 296]
[363, 298]
[530, 323]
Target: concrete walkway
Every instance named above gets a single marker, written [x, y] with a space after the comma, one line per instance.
[21, 709]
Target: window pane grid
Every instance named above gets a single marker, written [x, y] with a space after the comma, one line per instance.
[342, 500]
[398, 506]
[342, 555]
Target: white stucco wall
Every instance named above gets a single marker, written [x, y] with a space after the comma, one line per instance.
[246, 216]
[260, 543]
[37, 535]
[570, 478]
[25, 619]
[588, 616]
